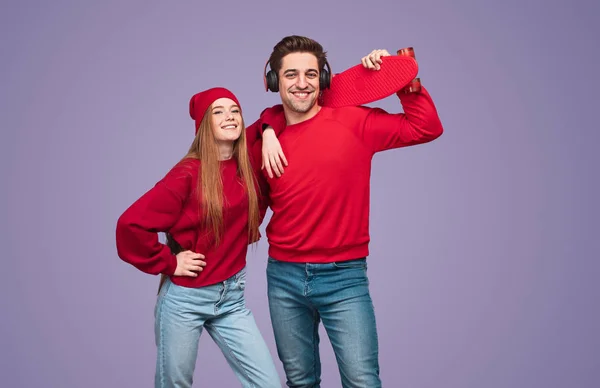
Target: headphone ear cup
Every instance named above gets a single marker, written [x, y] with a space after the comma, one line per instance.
[324, 79]
[272, 81]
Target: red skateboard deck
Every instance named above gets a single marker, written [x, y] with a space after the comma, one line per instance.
[359, 86]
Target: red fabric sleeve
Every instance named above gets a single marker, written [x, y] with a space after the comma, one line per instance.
[262, 186]
[253, 133]
[418, 124]
[261, 180]
[155, 211]
[273, 116]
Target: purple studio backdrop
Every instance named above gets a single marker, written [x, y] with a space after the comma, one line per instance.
[484, 260]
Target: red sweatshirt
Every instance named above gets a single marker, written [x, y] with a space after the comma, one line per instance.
[321, 203]
[172, 206]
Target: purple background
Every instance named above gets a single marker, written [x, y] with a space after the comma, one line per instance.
[484, 260]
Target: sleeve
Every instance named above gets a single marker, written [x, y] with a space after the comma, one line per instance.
[253, 134]
[261, 182]
[156, 211]
[262, 186]
[254, 147]
[273, 116]
[264, 201]
[418, 124]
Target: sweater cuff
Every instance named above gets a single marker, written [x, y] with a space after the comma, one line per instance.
[274, 117]
[171, 265]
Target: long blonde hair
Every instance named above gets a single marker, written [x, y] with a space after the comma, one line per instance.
[210, 185]
[204, 147]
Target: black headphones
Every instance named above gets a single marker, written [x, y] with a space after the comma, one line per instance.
[271, 79]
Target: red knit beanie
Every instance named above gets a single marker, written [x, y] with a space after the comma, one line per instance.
[200, 102]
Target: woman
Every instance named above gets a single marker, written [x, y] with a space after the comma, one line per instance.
[210, 207]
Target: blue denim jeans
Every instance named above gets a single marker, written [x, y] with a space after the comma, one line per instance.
[302, 295]
[182, 313]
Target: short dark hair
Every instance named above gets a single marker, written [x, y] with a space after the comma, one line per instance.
[296, 44]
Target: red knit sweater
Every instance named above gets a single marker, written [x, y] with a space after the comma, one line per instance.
[321, 203]
[172, 206]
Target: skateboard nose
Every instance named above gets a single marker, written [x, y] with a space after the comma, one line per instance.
[413, 87]
[407, 52]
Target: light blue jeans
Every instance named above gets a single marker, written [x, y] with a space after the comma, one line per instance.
[180, 315]
[300, 296]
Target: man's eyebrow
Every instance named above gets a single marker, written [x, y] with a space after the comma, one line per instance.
[295, 70]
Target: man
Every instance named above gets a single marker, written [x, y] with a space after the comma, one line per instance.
[319, 231]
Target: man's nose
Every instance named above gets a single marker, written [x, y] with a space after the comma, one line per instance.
[302, 82]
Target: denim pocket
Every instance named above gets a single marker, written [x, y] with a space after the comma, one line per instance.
[242, 283]
[356, 263]
[241, 279]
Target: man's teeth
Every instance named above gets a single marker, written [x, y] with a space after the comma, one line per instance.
[301, 95]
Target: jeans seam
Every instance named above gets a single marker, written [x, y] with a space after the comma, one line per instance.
[315, 346]
[161, 334]
[247, 375]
